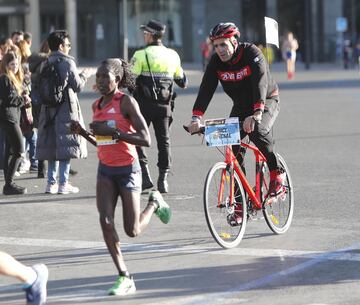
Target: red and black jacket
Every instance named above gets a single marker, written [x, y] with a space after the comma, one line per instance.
[246, 79]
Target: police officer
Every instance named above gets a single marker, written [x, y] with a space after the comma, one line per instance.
[156, 68]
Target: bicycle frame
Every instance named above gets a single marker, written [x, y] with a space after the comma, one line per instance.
[231, 161]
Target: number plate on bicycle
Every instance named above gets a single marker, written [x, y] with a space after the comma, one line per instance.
[222, 132]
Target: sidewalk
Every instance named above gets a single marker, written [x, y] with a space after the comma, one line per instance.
[275, 67]
[320, 75]
[280, 66]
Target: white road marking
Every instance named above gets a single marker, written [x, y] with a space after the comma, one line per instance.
[53, 243]
[164, 248]
[228, 297]
[231, 293]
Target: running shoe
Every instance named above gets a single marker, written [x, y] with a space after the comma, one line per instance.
[33, 169]
[36, 293]
[163, 210]
[123, 286]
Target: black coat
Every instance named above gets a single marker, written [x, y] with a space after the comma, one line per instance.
[10, 101]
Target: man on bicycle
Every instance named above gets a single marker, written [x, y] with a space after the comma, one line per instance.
[245, 77]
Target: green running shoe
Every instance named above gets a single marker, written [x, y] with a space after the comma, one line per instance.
[163, 211]
[123, 286]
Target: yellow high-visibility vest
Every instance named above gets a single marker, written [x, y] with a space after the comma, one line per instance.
[164, 62]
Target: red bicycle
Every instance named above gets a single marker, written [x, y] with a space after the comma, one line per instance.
[230, 200]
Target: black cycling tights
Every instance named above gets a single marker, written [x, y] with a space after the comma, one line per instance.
[264, 143]
[262, 135]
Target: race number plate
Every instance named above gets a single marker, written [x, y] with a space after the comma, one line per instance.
[105, 140]
[221, 132]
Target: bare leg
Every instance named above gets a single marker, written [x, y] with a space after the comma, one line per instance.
[134, 221]
[9, 266]
[106, 198]
[290, 68]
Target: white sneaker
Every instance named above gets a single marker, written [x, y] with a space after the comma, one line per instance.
[24, 166]
[52, 188]
[67, 188]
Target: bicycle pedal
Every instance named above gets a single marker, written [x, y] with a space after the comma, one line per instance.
[254, 218]
[282, 195]
[273, 199]
[234, 220]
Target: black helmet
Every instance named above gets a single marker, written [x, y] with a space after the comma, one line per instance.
[224, 30]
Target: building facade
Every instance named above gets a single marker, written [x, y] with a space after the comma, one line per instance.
[111, 28]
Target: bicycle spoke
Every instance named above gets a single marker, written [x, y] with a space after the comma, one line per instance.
[219, 211]
[278, 211]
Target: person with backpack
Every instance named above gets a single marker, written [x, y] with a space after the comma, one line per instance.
[59, 83]
[35, 61]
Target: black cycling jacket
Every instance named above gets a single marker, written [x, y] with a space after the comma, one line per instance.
[246, 79]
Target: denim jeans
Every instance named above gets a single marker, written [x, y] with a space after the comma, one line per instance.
[30, 146]
[63, 166]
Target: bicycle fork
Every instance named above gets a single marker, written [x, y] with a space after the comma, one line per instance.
[227, 178]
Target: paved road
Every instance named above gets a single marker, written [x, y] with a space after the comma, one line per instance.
[316, 262]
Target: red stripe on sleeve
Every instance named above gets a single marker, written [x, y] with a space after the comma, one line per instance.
[259, 106]
[198, 113]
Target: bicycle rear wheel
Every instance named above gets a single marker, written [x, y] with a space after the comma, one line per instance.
[226, 220]
[278, 212]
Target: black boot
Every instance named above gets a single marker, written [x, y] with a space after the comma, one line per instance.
[146, 179]
[41, 169]
[13, 189]
[163, 186]
[72, 172]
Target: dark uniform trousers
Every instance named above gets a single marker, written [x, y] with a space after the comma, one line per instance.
[159, 115]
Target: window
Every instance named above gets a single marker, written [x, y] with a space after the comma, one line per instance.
[166, 11]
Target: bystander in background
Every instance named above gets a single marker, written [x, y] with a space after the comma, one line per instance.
[288, 49]
[56, 143]
[206, 51]
[268, 53]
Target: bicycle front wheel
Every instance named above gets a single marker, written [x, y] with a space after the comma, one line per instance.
[226, 220]
[278, 213]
